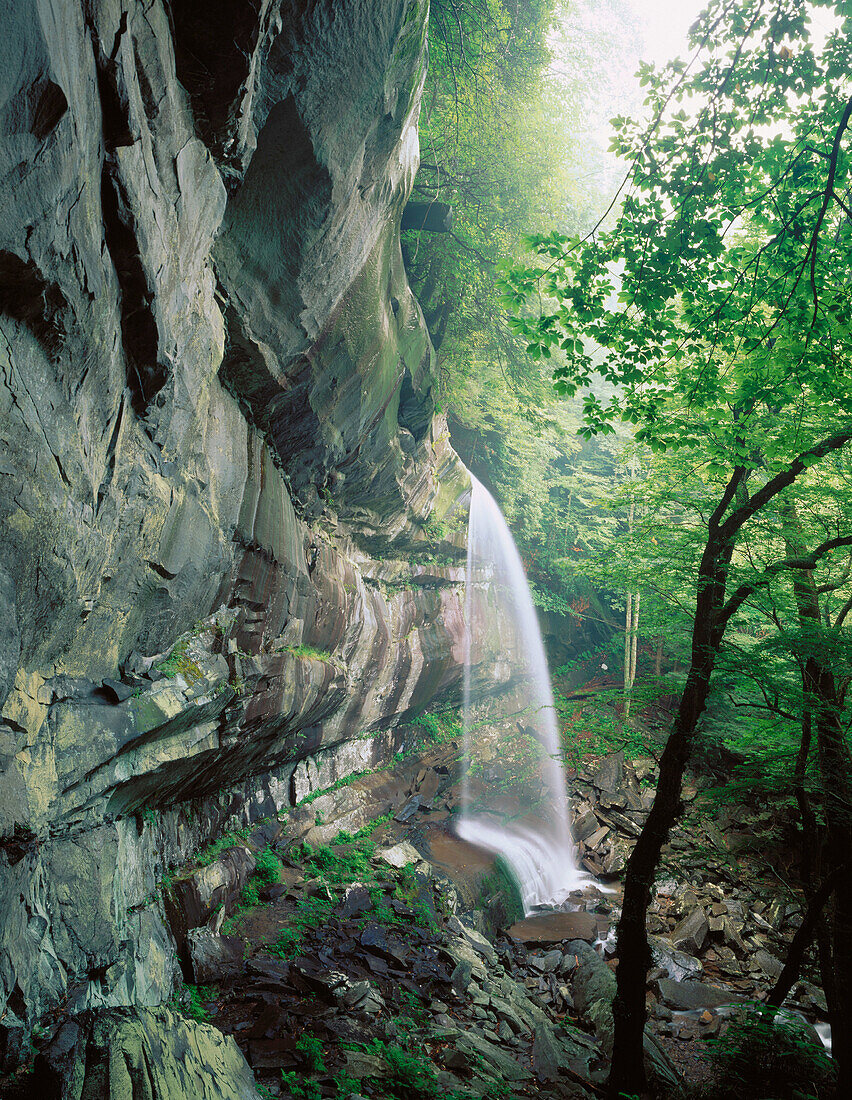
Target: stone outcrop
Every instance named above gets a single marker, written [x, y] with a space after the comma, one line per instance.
[231, 524]
[143, 1054]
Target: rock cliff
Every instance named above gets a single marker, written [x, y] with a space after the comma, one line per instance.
[230, 519]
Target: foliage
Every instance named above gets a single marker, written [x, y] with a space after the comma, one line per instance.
[336, 867]
[309, 651]
[766, 1054]
[409, 1075]
[596, 727]
[439, 726]
[299, 1087]
[715, 309]
[179, 663]
[268, 867]
[503, 880]
[718, 298]
[507, 94]
[346, 860]
[191, 1001]
[311, 913]
[221, 844]
[312, 1049]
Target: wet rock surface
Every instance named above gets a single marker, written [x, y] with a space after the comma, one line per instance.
[230, 525]
[146, 1054]
[376, 949]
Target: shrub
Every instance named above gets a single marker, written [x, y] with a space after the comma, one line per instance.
[763, 1053]
[268, 867]
[312, 1048]
[299, 1088]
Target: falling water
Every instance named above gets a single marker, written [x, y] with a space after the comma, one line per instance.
[513, 798]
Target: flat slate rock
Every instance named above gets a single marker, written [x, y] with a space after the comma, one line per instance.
[687, 996]
[555, 927]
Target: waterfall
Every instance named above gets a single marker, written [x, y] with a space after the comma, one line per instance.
[513, 794]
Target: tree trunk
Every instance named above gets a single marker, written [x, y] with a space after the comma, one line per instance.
[631, 621]
[628, 620]
[634, 640]
[804, 937]
[822, 702]
[634, 957]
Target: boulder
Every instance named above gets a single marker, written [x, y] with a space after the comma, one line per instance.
[214, 957]
[689, 995]
[690, 934]
[400, 855]
[552, 928]
[143, 1053]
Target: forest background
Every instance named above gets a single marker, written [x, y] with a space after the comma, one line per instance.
[656, 390]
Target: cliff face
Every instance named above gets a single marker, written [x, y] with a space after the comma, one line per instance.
[227, 509]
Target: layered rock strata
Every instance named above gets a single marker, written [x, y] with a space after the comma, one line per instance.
[230, 520]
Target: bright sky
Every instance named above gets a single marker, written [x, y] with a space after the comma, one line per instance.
[665, 23]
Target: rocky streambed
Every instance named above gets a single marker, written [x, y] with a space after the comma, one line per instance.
[354, 946]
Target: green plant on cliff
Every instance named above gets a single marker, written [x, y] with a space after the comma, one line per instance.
[312, 1050]
[179, 663]
[300, 1087]
[309, 651]
[192, 1000]
[439, 726]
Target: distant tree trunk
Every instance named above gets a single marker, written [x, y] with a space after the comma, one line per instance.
[628, 621]
[631, 619]
[631, 633]
[658, 657]
[634, 640]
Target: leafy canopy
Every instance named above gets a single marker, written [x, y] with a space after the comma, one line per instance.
[717, 303]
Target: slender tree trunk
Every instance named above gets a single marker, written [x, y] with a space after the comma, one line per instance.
[631, 621]
[804, 937]
[634, 641]
[631, 635]
[628, 622]
[658, 657]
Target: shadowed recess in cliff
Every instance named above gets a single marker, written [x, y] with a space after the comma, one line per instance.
[140, 337]
[29, 298]
[213, 66]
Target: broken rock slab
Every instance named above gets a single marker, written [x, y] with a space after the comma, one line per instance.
[552, 928]
[678, 964]
[192, 900]
[143, 1053]
[690, 934]
[689, 995]
[214, 957]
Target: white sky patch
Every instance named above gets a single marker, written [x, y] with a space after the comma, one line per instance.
[665, 24]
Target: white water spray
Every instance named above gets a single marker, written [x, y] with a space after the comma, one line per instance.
[513, 796]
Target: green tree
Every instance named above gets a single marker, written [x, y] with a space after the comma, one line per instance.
[717, 307]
